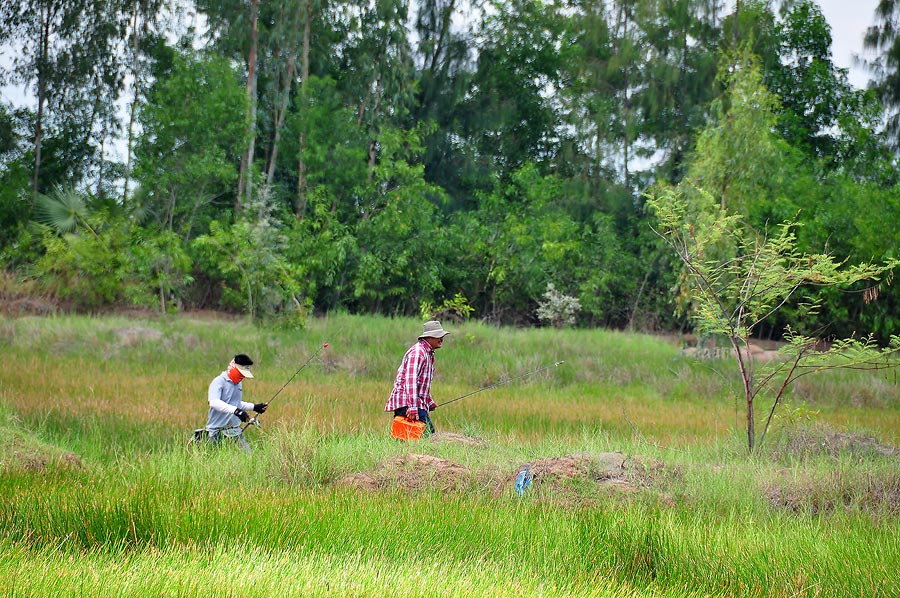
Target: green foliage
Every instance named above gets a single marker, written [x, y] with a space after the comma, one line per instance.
[15, 174]
[85, 270]
[737, 156]
[488, 159]
[737, 278]
[64, 211]
[823, 115]
[186, 161]
[162, 264]
[457, 308]
[249, 256]
[882, 37]
[398, 230]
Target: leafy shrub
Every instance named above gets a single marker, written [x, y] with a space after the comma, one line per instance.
[557, 308]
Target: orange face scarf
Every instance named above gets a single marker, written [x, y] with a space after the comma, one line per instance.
[233, 373]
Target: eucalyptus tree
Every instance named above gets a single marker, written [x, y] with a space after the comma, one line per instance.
[14, 172]
[290, 31]
[276, 43]
[593, 80]
[511, 115]
[737, 154]
[235, 29]
[643, 74]
[884, 37]
[144, 32]
[69, 58]
[187, 155]
[677, 77]
[444, 53]
[821, 113]
[376, 69]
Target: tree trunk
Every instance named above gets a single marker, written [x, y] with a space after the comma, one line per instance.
[300, 206]
[373, 143]
[623, 27]
[44, 51]
[102, 161]
[245, 180]
[133, 110]
[281, 111]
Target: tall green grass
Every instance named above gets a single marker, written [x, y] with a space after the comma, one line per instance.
[190, 522]
[135, 514]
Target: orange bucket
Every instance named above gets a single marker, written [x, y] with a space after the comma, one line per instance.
[403, 429]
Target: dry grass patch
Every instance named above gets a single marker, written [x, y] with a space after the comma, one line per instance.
[821, 441]
[806, 493]
[856, 472]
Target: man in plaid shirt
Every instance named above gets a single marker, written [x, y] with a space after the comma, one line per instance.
[411, 395]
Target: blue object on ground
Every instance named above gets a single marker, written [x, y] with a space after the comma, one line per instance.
[523, 480]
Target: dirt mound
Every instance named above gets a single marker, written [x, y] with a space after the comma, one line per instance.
[553, 472]
[454, 438]
[412, 472]
[871, 486]
[580, 478]
[590, 472]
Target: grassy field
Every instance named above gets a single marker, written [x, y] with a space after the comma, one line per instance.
[642, 483]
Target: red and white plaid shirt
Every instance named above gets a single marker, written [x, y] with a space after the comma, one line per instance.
[412, 388]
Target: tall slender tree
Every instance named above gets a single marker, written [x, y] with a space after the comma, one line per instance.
[69, 59]
[884, 37]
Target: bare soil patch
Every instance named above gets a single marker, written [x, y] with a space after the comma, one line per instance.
[412, 472]
[569, 480]
[613, 471]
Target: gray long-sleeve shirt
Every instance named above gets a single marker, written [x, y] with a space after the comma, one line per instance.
[224, 397]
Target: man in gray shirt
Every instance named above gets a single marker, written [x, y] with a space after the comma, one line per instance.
[226, 408]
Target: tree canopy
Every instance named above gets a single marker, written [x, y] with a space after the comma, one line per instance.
[291, 156]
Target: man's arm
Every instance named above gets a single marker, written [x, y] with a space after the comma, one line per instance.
[216, 388]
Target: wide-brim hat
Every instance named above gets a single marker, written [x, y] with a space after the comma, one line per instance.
[433, 329]
[242, 363]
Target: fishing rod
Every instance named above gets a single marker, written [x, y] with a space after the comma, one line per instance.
[500, 383]
[254, 421]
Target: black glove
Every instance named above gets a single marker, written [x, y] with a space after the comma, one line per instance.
[260, 407]
[242, 415]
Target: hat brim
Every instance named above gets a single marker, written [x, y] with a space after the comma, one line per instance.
[435, 334]
[244, 370]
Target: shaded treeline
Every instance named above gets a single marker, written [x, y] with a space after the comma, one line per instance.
[281, 156]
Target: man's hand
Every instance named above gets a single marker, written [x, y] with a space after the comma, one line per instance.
[242, 415]
[412, 414]
[260, 407]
